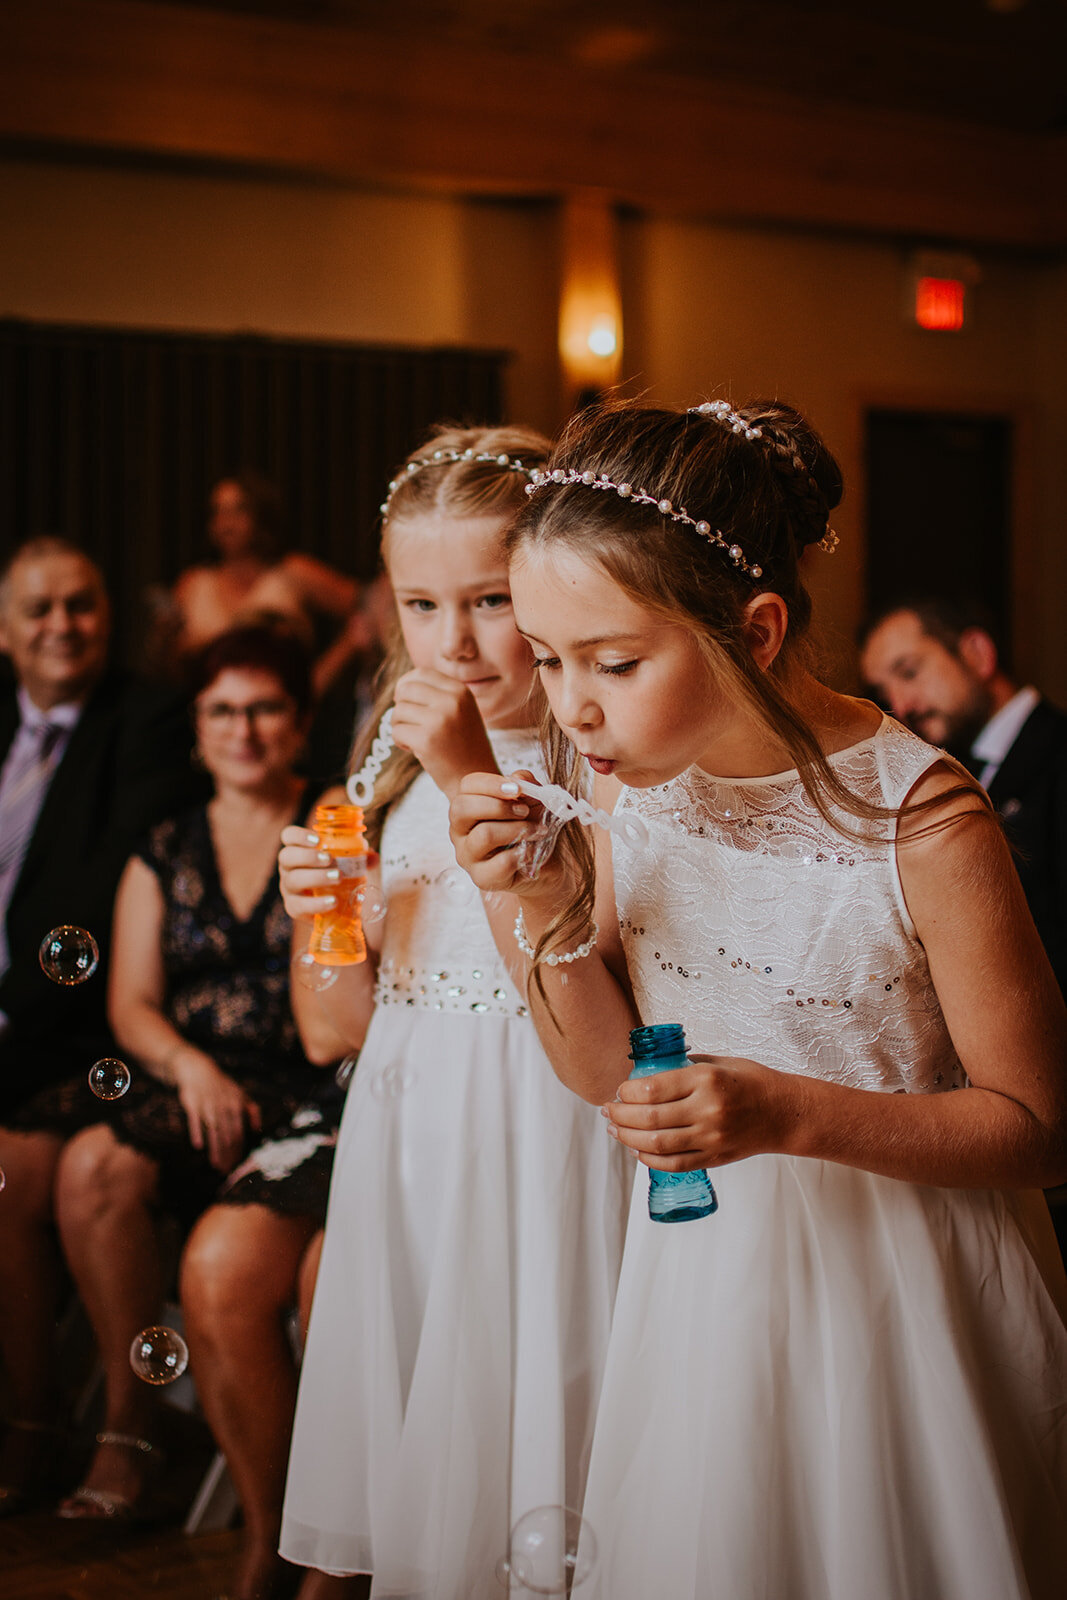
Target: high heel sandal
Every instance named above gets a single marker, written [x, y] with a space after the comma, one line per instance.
[86, 1504]
[15, 1498]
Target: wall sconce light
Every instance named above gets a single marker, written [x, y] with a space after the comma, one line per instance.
[590, 304]
[602, 338]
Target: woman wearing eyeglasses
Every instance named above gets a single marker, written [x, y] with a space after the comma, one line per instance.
[198, 1000]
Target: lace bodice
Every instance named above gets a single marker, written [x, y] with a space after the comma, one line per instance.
[438, 952]
[775, 937]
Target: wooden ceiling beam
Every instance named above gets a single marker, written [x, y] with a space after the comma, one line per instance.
[348, 104]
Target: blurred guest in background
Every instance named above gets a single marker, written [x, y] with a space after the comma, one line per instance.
[937, 666]
[89, 757]
[199, 1005]
[345, 680]
[251, 1259]
[252, 578]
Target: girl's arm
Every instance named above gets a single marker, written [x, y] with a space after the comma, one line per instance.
[322, 586]
[585, 1029]
[216, 1107]
[330, 1021]
[1004, 1012]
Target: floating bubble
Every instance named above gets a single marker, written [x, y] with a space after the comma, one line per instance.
[537, 847]
[454, 883]
[343, 1075]
[68, 955]
[551, 1551]
[371, 905]
[3, 1178]
[109, 1078]
[311, 974]
[390, 1082]
[159, 1355]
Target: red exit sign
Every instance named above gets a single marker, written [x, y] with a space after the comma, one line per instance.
[940, 304]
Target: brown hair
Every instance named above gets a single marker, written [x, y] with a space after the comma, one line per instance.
[260, 649]
[445, 488]
[771, 495]
[263, 502]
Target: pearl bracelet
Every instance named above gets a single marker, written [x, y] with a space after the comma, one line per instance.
[553, 960]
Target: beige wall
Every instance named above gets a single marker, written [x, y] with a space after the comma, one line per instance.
[820, 322]
[157, 250]
[709, 310]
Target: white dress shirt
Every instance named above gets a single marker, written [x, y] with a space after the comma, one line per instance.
[1001, 732]
[32, 719]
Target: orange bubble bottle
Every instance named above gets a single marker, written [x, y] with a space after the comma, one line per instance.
[337, 935]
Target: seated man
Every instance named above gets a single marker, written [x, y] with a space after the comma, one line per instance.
[937, 667]
[88, 758]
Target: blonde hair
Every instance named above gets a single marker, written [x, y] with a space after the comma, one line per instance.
[448, 489]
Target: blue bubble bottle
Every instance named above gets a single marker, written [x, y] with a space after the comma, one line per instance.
[672, 1196]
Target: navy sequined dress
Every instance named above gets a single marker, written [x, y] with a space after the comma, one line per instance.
[227, 993]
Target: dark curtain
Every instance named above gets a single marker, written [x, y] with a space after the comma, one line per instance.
[113, 438]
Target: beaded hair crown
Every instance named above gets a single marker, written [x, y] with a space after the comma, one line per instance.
[641, 497]
[443, 458]
[717, 411]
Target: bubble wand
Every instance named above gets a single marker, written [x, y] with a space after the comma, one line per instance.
[557, 801]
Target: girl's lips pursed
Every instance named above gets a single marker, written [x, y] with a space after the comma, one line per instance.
[601, 766]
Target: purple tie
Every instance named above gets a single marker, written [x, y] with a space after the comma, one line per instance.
[23, 786]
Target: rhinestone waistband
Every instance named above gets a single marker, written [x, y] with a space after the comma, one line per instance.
[478, 990]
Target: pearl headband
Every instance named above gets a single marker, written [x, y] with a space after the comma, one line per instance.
[441, 458]
[719, 411]
[626, 491]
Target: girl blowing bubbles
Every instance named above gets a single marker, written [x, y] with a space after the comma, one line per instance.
[477, 1213]
[850, 1380]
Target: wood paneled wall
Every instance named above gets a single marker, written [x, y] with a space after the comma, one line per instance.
[392, 108]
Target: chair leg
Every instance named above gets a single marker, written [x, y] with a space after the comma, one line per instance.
[215, 1505]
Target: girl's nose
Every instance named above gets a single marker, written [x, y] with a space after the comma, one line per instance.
[457, 640]
[575, 709]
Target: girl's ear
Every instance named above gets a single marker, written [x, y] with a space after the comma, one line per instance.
[766, 621]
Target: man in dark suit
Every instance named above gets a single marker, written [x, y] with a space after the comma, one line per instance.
[88, 758]
[936, 665]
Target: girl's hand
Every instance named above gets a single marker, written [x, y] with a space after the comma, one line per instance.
[438, 720]
[306, 873]
[719, 1109]
[215, 1107]
[488, 818]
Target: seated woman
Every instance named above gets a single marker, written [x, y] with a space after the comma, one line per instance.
[199, 1005]
[250, 1259]
[252, 579]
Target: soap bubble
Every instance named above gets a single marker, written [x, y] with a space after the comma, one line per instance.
[159, 1355]
[109, 1078]
[454, 883]
[551, 1551]
[311, 974]
[68, 955]
[390, 1082]
[3, 1178]
[538, 847]
[343, 1075]
[371, 905]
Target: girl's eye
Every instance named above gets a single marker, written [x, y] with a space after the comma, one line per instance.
[494, 602]
[617, 669]
[420, 607]
[546, 661]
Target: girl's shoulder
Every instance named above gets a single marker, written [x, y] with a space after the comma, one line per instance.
[910, 769]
